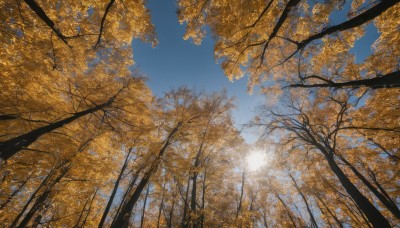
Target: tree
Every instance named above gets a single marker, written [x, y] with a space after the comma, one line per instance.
[183, 112]
[75, 24]
[307, 129]
[208, 138]
[111, 107]
[83, 142]
[114, 192]
[292, 42]
[58, 45]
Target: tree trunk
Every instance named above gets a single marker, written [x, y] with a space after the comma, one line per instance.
[126, 210]
[103, 19]
[33, 196]
[361, 214]
[373, 215]
[239, 208]
[287, 210]
[388, 204]
[10, 147]
[81, 214]
[313, 222]
[90, 208]
[116, 185]
[351, 214]
[144, 206]
[160, 208]
[123, 218]
[203, 200]
[194, 219]
[184, 222]
[372, 174]
[323, 213]
[264, 217]
[330, 212]
[15, 192]
[125, 196]
[171, 213]
[43, 197]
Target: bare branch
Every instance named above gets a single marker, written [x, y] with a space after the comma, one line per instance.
[102, 22]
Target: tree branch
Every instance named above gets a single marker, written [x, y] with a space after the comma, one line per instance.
[40, 12]
[102, 22]
[282, 19]
[390, 80]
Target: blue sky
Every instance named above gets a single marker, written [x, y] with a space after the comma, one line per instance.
[176, 62]
[362, 47]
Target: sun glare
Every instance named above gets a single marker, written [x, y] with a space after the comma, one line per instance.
[255, 160]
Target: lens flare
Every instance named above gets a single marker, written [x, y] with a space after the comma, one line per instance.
[255, 160]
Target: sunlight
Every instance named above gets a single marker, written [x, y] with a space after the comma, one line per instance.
[256, 160]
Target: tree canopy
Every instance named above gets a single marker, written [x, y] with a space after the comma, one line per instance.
[298, 43]
[85, 143]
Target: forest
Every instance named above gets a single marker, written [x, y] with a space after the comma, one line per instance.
[85, 141]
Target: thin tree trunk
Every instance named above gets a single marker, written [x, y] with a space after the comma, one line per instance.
[171, 213]
[144, 206]
[253, 198]
[287, 210]
[90, 207]
[203, 200]
[388, 204]
[43, 197]
[323, 213]
[184, 223]
[193, 213]
[125, 214]
[125, 196]
[353, 216]
[12, 146]
[81, 214]
[123, 218]
[372, 174]
[313, 222]
[35, 208]
[264, 217]
[239, 208]
[15, 192]
[161, 204]
[330, 212]
[194, 219]
[33, 196]
[115, 189]
[160, 209]
[373, 215]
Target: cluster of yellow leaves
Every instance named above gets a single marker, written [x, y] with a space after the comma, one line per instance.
[242, 31]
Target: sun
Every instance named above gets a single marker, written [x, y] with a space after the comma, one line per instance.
[255, 160]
